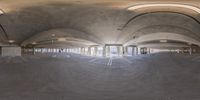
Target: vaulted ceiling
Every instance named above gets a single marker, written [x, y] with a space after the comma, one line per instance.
[99, 22]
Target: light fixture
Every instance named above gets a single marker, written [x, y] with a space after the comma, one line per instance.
[53, 35]
[34, 43]
[196, 9]
[61, 39]
[163, 41]
[11, 41]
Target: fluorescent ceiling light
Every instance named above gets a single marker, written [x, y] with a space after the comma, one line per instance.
[196, 9]
[34, 43]
[53, 35]
[11, 41]
[61, 39]
[163, 41]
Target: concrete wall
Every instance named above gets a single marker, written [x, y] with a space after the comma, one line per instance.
[11, 51]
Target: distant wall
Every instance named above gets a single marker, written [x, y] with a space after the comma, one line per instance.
[11, 51]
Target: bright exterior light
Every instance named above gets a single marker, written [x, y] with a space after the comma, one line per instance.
[1, 12]
[163, 41]
[196, 9]
[61, 39]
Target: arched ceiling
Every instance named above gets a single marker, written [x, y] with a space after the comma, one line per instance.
[62, 37]
[163, 36]
[163, 45]
[161, 22]
[96, 22]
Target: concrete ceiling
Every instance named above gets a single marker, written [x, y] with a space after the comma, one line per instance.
[96, 22]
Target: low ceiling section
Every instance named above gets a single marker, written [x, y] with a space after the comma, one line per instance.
[163, 37]
[158, 23]
[62, 36]
[93, 22]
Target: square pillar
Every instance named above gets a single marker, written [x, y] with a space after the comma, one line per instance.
[107, 51]
[138, 51]
[82, 51]
[125, 51]
[89, 51]
[104, 51]
[95, 51]
[133, 51]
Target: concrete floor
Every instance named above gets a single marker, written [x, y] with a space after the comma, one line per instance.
[75, 77]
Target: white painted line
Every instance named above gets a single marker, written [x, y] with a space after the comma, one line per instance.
[93, 60]
[127, 60]
[109, 62]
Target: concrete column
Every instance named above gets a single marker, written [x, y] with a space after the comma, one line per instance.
[104, 51]
[148, 50]
[151, 50]
[107, 51]
[85, 53]
[118, 51]
[42, 50]
[89, 51]
[79, 50]
[190, 51]
[11, 51]
[33, 51]
[125, 51]
[182, 50]
[121, 51]
[82, 51]
[141, 50]
[133, 51]
[178, 51]
[194, 50]
[138, 51]
[95, 50]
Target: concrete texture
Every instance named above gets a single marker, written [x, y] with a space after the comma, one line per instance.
[75, 77]
[92, 23]
[100, 22]
[161, 22]
[11, 51]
